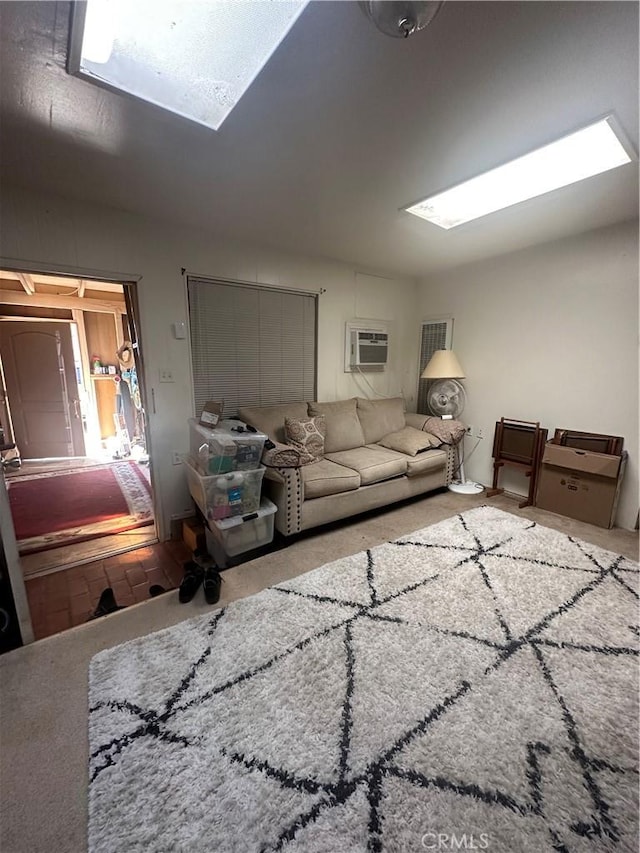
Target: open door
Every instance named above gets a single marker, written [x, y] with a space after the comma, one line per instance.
[42, 388]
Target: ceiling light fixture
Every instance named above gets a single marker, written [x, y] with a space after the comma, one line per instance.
[587, 152]
[195, 59]
[400, 18]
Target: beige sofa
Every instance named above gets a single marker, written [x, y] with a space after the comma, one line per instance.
[375, 453]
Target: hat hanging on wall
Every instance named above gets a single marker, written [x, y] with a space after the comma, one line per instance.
[125, 356]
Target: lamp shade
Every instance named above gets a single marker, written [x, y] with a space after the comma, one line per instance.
[443, 364]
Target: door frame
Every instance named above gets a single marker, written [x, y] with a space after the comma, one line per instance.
[14, 571]
[129, 282]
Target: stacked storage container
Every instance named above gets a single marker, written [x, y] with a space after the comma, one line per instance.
[228, 447]
[225, 480]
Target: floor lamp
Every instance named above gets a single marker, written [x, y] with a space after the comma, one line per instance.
[446, 400]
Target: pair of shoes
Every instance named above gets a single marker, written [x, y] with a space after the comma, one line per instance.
[106, 604]
[211, 585]
[193, 576]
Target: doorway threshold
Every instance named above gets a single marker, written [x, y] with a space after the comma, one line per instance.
[65, 557]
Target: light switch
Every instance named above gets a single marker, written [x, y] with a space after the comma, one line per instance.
[180, 330]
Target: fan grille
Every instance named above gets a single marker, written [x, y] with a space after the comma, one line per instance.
[447, 397]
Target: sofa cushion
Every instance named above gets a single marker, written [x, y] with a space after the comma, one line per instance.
[409, 441]
[307, 434]
[270, 419]
[343, 427]
[372, 462]
[328, 478]
[429, 460]
[380, 417]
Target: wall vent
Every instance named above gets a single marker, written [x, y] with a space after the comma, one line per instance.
[435, 334]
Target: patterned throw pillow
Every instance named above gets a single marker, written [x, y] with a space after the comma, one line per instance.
[448, 431]
[284, 456]
[307, 434]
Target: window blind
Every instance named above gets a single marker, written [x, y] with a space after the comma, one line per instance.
[251, 346]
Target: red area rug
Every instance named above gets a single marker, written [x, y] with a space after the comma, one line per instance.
[57, 508]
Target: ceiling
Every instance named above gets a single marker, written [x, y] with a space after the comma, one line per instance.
[29, 286]
[342, 128]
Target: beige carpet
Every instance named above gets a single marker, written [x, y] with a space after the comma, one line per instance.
[43, 725]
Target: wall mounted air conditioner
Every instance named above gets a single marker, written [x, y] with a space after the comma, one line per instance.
[369, 348]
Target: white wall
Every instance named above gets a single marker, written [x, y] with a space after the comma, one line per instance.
[549, 334]
[54, 234]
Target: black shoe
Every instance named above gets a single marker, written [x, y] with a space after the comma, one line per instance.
[211, 585]
[106, 604]
[156, 589]
[192, 579]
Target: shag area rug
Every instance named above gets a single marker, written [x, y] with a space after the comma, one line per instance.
[472, 685]
[56, 508]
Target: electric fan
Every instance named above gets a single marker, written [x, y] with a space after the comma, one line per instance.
[447, 398]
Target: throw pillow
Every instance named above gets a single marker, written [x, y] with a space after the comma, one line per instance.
[307, 435]
[449, 432]
[409, 441]
[270, 419]
[285, 456]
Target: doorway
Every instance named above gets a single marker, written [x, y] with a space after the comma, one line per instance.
[40, 386]
[72, 401]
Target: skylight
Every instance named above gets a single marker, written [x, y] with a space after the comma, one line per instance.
[589, 151]
[193, 57]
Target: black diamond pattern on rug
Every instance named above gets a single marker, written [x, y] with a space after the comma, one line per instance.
[470, 685]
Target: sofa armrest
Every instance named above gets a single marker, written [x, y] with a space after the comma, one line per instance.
[285, 488]
[280, 455]
[413, 419]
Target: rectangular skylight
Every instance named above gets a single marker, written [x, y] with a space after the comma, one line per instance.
[195, 58]
[579, 155]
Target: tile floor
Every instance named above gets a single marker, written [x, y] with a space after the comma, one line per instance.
[62, 599]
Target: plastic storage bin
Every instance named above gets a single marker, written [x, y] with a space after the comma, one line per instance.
[223, 496]
[236, 535]
[223, 449]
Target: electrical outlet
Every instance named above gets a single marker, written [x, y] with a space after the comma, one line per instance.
[166, 374]
[176, 458]
[480, 433]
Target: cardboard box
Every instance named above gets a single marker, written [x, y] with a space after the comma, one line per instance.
[580, 484]
[193, 534]
[211, 413]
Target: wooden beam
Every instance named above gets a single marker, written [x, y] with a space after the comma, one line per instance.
[81, 288]
[26, 281]
[42, 300]
[6, 319]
